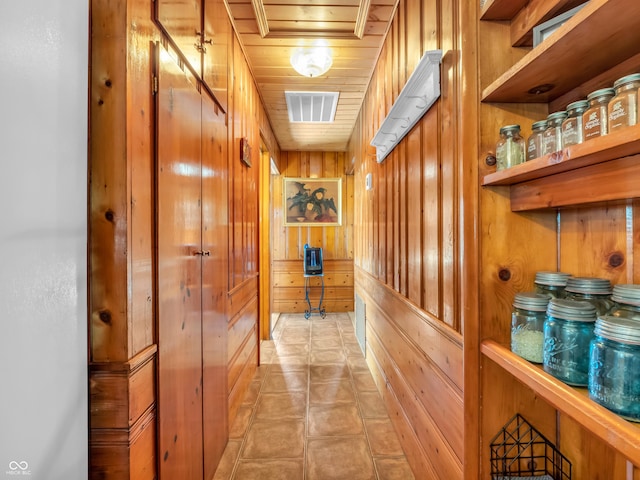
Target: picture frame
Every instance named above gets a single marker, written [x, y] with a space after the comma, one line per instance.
[315, 202]
[542, 31]
[245, 152]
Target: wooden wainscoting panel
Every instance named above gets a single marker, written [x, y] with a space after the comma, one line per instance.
[122, 392]
[289, 286]
[246, 372]
[118, 453]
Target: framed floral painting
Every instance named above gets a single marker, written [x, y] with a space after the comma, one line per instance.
[312, 201]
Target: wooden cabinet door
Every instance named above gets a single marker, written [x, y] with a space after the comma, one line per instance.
[214, 283]
[182, 21]
[217, 31]
[179, 274]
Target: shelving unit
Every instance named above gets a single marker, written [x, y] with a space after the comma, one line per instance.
[572, 401]
[579, 207]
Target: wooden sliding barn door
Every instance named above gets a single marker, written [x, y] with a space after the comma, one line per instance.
[179, 264]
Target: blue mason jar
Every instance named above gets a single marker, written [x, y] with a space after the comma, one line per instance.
[626, 300]
[552, 284]
[568, 331]
[614, 371]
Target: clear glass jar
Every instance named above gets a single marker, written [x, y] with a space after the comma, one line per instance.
[510, 147]
[534, 142]
[568, 331]
[626, 302]
[623, 108]
[596, 291]
[596, 118]
[572, 125]
[527, 323]
[552, 136]
[614, 366]
[551, 284]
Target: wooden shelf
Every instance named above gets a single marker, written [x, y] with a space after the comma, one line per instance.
[622, 435]
[501, 9]
[620, 143]
[568, 58]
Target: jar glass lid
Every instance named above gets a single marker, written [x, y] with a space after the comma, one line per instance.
[575, 310]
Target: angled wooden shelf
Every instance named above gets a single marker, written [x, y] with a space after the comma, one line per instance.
[620, 143]
[501, 9]
[567, 58]
[622, 435]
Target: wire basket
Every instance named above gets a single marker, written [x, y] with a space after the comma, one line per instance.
[520, 452]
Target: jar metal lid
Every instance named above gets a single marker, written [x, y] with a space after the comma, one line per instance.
[623, 330]
[557, 279]
[580, 105]
[538, 124]
[587, 285]
[557, 116]
[626, 293]
[603, 92]
[634, 77]
[531, 301]
[574, 310]
[509, 128]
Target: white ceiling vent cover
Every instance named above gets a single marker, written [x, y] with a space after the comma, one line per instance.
[317, 107]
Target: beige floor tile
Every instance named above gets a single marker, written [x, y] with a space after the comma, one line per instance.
[364, 382]
[352, 349]
[270, 439]
[228, 461]
[331, 393]
[382, 437]
[357, 363]
[371, 405]
[284, 469]
[328, 373]
[326, 342]
[328, 356]
[283, 406]
[393, 469]
[289, 381]
[287, 349]
[252, 393]
[339, 419]
[339, 458]
[241, 423]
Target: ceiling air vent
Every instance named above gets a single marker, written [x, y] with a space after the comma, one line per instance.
[317, 107]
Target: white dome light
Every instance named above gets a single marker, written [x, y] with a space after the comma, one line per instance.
[312, 62]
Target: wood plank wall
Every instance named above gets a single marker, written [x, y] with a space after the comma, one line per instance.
[409, 243]
[122, 280]
[336, 241]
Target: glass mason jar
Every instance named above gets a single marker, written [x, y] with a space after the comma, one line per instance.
[534, 142]
[614, 367]
[572, 125]
[510, 147]
[551, 284]
[596, 291]
[527, 323]
[623, 108]
[626, 302]
[568, 331]
[552, 136]
[596, 118]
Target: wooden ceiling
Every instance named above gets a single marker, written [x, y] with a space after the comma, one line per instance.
[270, 31]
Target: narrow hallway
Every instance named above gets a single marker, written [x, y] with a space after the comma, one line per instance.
[312, 411]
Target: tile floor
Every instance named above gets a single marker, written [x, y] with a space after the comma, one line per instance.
[313, 411]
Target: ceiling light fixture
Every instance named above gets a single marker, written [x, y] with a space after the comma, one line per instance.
[312, 62]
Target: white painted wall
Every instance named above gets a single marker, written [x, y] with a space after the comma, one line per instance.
[43, 239]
